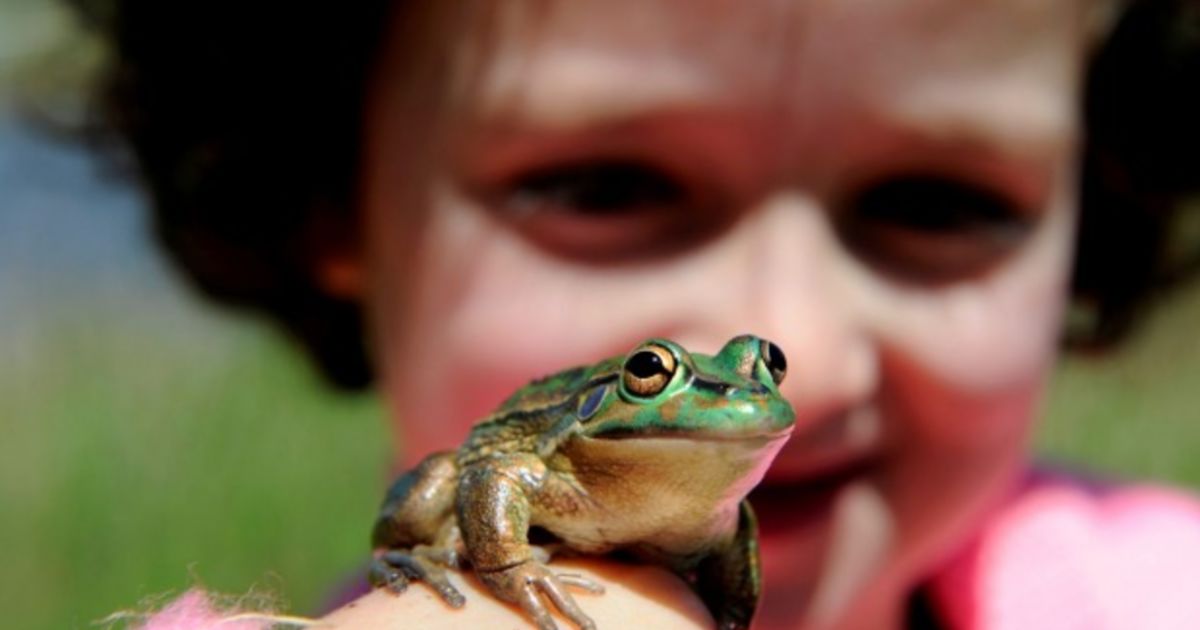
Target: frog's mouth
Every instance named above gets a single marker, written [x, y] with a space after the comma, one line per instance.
[690, 466]
[697, 435]
[704, 446]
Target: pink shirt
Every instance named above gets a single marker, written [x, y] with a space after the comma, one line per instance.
[1063, 556]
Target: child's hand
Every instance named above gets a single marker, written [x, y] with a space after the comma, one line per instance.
[637, 596]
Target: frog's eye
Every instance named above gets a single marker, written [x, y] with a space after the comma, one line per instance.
[648, 370]
[773, 358]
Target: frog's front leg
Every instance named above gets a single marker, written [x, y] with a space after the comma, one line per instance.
[730, 579]
[496, 501]
[415, 535]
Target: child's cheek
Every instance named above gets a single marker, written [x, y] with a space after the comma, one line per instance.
[997, 333]
[465, 311]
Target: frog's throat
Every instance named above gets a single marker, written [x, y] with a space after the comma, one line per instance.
[648, 473]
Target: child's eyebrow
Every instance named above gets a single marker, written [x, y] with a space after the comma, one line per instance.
[1006, 121]
[578, 89]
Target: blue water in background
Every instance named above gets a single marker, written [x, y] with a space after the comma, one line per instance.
[76, 251]
[67, 229]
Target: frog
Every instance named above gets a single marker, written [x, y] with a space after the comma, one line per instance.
[649, 455]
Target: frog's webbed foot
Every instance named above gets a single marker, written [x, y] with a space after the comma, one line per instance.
[526, 583]
[394, 568]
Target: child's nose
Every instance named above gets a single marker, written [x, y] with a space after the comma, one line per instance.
[805, 293]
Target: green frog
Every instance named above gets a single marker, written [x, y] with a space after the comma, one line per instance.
[650, 454]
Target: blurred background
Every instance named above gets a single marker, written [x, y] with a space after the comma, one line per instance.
[150, 441]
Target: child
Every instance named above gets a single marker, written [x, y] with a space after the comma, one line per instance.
[889, 191]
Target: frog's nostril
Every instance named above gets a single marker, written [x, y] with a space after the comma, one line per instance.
[716, 387]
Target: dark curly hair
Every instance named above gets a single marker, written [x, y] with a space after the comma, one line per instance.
[245, 124]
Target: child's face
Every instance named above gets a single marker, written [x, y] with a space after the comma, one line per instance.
[883, 189]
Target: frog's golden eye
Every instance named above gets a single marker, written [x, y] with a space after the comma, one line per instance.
[773, 358]
[648, 370]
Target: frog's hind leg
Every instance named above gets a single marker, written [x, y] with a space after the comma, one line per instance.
[415, 535]
[418, 504]
[729, 581]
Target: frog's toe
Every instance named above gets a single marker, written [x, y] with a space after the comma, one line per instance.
[418, 567]
[580, 582]
[555, 590]
[531, 603]
[527, 584]
[384, 575]
[446, 591]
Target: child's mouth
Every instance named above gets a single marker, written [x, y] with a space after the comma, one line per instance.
[821, 449]
[786, 503]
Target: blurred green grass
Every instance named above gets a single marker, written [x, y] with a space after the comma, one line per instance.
[139, 458]
[1134, 412]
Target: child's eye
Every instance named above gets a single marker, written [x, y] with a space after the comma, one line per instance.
[932, 229]
[595, 188]
[603, 210]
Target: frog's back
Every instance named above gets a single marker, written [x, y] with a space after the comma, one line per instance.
[531, 411]
[552, 390]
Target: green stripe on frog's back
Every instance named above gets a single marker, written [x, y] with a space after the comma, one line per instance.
[552, 390]
[528, 414]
